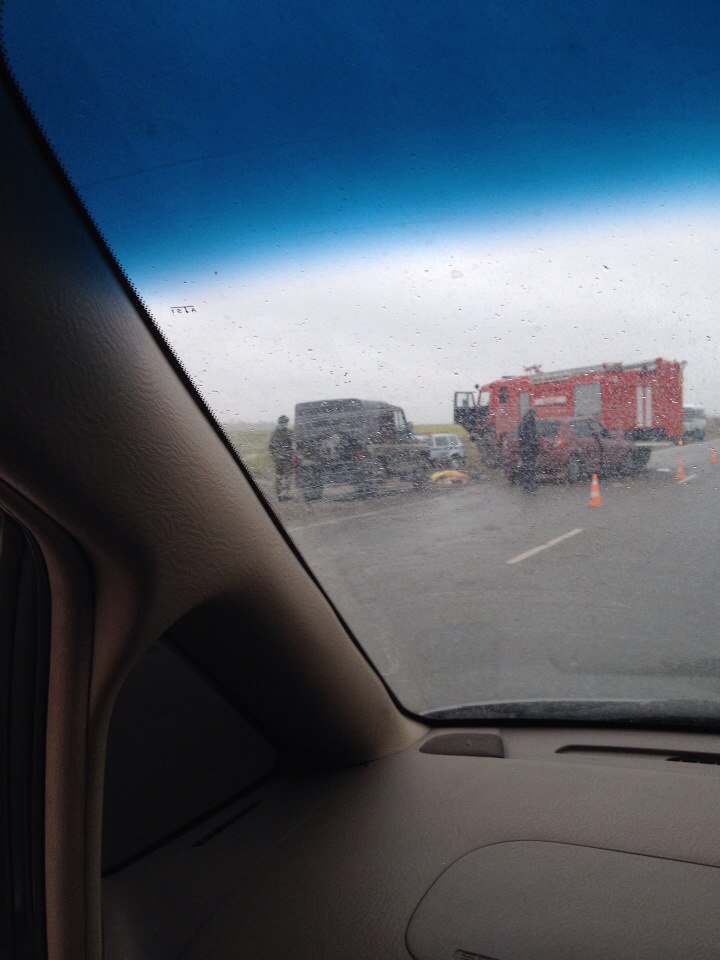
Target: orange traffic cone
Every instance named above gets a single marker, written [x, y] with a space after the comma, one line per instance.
[595, 498]
[680, 475]
[713, 455]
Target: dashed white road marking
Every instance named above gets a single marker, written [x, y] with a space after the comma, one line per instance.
[545, 546]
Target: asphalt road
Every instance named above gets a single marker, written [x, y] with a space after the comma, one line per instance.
[448, 594]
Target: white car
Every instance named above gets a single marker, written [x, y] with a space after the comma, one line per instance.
[446, 449]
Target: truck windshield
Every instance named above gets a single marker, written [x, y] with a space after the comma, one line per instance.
[339, 211]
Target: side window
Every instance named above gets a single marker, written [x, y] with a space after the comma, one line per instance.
[387, 426]
[441, 441]
[587, 400]
[503, 397]
[177, 752]
[582, 428]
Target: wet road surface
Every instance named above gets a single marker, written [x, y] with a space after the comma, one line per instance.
[488, 592]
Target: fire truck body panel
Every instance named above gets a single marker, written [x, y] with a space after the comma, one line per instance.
[643, 401]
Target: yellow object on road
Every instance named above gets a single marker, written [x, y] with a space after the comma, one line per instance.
[449, 476]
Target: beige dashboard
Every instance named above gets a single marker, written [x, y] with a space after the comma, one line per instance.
[427, 855]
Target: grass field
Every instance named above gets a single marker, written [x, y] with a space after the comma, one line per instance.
[252, 445]
[440, 428]
[473, 464]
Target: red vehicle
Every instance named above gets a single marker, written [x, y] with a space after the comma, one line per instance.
[640, 401]
[574, 448]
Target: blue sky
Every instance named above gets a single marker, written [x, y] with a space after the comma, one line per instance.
[202, 135]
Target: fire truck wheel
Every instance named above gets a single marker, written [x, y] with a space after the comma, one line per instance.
[421, 476]
[573, 470]
[630, 464]
[641, 458]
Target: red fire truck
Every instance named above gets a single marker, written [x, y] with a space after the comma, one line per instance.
[642, 401]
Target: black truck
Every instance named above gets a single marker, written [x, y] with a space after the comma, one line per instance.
[359, 442]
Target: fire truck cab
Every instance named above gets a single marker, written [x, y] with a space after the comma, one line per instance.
[641, 401]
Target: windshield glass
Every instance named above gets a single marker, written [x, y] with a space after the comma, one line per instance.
[343, 217]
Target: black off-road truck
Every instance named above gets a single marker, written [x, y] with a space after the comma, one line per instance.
[359, 442]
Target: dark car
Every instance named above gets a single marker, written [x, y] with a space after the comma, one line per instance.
[358, 442]
[574, 448]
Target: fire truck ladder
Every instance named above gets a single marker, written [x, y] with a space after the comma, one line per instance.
[647, 366]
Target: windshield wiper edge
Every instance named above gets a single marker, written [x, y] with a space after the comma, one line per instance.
[656, 712]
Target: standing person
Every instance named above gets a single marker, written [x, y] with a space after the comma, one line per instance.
[281, 450]
[528, 443]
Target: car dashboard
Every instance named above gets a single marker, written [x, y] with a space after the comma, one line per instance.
[519, 843]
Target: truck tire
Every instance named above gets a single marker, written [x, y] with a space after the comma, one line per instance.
[311, 487]
[365, 488]
[421, 476]
[368, 479]
[573, 469]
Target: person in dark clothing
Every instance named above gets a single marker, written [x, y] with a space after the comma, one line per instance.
[528, 444]
[281, 451]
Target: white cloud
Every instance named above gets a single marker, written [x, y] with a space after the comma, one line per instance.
[412, 323]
